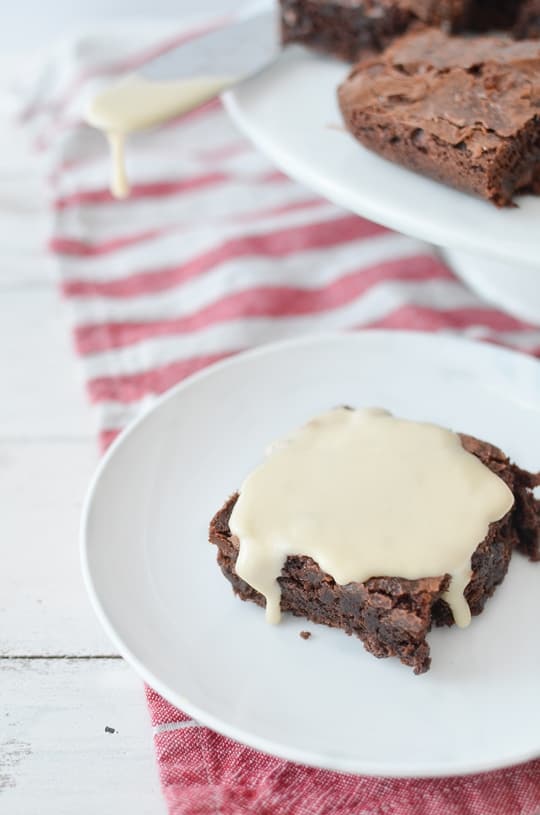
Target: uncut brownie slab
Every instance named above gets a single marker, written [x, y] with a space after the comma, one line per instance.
[463, 110]
[344, 28]
[393, 616]
[485, 15]
[527, 24]
[351, 28]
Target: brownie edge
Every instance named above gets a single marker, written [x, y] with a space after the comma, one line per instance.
[462, 110]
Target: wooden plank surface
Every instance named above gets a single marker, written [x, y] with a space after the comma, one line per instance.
[43, 605]
[55, 756]
[41, 379]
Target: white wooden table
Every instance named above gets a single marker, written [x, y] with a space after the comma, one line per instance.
[61, 683]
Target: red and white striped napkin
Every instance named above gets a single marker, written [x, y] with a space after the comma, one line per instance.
[217, 251]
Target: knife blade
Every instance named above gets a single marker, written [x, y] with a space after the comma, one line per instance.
[239, 49]
[180, 80]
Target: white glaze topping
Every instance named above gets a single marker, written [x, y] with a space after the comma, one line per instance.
[365, 494]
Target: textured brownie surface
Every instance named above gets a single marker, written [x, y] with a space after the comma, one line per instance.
[527, 24]
[463, 110]
[344, 28]
[486, 15]
[351, 29]
[390, 615]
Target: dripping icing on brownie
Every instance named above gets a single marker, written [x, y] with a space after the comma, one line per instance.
[366, 494]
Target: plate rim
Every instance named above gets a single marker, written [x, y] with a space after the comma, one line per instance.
[337, 764]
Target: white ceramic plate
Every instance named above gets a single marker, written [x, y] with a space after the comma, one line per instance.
[158, 591]
[515, 289]
[290, 112]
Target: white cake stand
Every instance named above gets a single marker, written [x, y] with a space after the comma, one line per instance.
[291, 114]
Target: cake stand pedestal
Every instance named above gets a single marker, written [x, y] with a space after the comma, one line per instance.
[509, 286]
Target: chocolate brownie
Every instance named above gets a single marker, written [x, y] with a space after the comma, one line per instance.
[486, 15]
[351, 29]
[393, 616]
[463, 110]
[527, 25]
[344, 28]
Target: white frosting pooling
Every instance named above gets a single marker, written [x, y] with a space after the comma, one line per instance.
[365, 494]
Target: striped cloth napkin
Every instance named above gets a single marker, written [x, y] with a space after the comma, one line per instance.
[217, 251]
